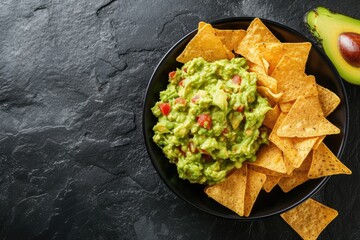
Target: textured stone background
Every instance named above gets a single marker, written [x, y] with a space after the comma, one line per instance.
[73, 164]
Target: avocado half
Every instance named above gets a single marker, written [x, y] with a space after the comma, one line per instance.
[328, 27]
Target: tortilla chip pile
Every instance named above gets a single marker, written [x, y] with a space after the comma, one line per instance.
[297, 122]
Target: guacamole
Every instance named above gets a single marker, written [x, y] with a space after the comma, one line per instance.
[209, 119]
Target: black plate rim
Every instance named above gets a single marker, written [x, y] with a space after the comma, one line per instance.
[341, 148]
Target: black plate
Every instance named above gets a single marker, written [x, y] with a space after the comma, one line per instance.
[267, 204]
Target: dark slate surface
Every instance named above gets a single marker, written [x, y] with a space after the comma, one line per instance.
[73, 164]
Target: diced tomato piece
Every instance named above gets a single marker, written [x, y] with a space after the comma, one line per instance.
[165, 108]
[172, 74]
[204, 120]
[181, 83]
[185, 70]
[225, 131]
[180, 101]
[240, 109]
[195, 99]
[236, 79]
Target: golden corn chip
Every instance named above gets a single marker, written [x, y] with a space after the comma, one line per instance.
[201, 24]
[294, 149]
[273, 52]
[325, 163]
[297, 178]
[231, 192]
[266, 65]
[319, 140]
[305, 166]
[309, 219]
[271, 182]
[296, 53]
[256, 68]
[254, 183]
[271, 116]
[288, 69]
[270, 96]
[230, 38]
[328, 100]
[249, 51]
[285, 107]
[302, 86]
[289, 163]
[303, 147]
[306, 119]
[270, 157]
[262, 78]
[290, 74]
[205, 44]
[257, 32]
[294, 86]
[265, 171]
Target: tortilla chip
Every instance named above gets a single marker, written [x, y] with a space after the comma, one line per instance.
[309, 219]
[270, 96]
[271, 182]
[287, 70]
[231, 192]
[271, 116]
[265, 171]
[253, 67]
[285, 144]
[328, 100]
[205, 44]
[303, 86]
[254, 183]
[266, 65]
[230, 38]
[306, 119]
[257, 32]
[325, 163]
[303, 147]
[285, 107]
[293, 87]
[298, 53]
[249, 51]
[201, 24]
[290, 74]
[272, 52]
[270, 157]
[262, 78]
[305, 166]
[289, 163]
[294, 149]
[297, 178]
[319, 140]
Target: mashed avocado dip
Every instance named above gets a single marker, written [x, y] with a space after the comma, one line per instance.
[209, 119]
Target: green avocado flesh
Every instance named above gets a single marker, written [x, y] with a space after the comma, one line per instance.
[212, 120]
[327, 26]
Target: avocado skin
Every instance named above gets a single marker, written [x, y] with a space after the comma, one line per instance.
[326, 27]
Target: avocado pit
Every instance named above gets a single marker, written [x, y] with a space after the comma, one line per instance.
[349, 46]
